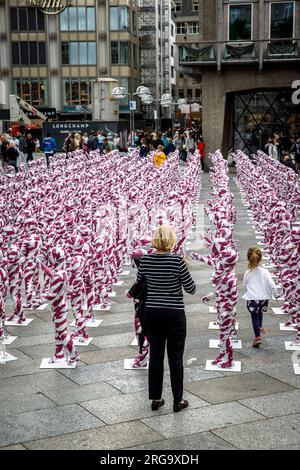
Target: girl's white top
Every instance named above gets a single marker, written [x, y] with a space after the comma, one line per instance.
[259, 285]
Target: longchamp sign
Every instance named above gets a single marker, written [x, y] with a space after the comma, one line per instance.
[50, 7]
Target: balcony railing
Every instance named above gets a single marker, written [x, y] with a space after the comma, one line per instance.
[224, 52]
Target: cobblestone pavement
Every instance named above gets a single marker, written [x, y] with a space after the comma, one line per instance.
[99, 405]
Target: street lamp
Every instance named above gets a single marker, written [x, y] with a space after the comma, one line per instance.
[142, 92]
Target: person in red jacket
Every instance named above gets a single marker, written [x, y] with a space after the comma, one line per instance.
[200, 148]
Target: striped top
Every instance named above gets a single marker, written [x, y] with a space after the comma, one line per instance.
[165, 275]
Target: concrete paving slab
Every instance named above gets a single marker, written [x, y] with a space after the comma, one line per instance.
[106, 355]
[45, 423]
[34, 383]
[203, 419]
[82, 393]
[16, 447]
[198, 441]
[113, 341]
[22, 403]
[268, 434]
[134, 406]
[278, 404]
[236, 387]
[117, 436]
[97, 372]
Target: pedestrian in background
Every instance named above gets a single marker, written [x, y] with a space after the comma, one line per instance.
[49, 147]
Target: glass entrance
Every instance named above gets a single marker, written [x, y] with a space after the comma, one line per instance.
[259, 115]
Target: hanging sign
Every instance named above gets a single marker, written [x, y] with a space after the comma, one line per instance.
[50, 7]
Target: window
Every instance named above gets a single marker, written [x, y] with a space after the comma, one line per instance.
[193, 28]
[78, 19]
[240, 22]
[28, 53]
[189, 93]
[181, 93]
[119, 18]
[282, 20]
[195, 6]
[120, 52]
[27, 19]
[78, 53]
[34, 91]
[181, 28]
[76, 93]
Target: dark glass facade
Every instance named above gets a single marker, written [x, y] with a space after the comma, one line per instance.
[259, 114]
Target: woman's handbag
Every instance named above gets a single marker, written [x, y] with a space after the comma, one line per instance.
[139, 292]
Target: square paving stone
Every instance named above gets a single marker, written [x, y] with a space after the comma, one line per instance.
[279, 404]
[134, 406]
[34, 383]
[118, 436]
[114, 340]
[81, 393]
[35, 340]
[16, 447]
[107, 355]
[45, 423]
[95, 373]
[21, 403]
[268, 434]
[197, 441]
[236, 387]
[203, 419]
[14, 369]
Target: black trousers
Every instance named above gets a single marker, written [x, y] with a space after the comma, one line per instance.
[166, 326]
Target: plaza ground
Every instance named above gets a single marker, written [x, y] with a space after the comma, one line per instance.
[99, 405]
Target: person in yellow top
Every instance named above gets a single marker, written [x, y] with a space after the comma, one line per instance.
[159, 157]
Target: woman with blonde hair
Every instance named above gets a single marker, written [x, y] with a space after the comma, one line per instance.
[260, 288]
[165, 274]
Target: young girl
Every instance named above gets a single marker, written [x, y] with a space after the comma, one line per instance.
[260, 288]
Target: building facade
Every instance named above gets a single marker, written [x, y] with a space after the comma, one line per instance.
[51, 60]
[187, 21]
[157, 49]
[248, 54]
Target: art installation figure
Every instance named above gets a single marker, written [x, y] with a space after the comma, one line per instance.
[64, 347]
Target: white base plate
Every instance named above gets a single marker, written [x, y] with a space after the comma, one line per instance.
[90, 323]
[128, 365]
[112, 294]
[286, 328]
[296, 369]
[97, 308]
[8, 358]
[214, 344]
[237, 367]
[212, 310]
[261, 244]
[268, 266]
[86, 342]
[291, 347]
[57, 365]
[42, 307]
[125, 273]
[278, 311]
[134, 342]
[212, 326]
[9, 340]
[280, 299]
[257, 232]
[15, 322]
[128, 263]
[119, 283]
